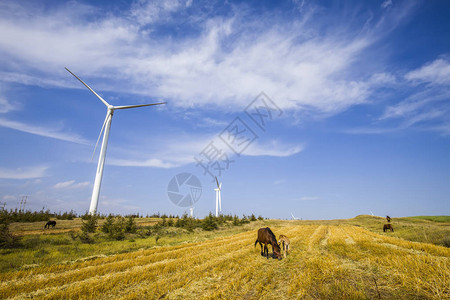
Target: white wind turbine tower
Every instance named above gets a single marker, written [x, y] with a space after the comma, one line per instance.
[106, 126]
[218, 198]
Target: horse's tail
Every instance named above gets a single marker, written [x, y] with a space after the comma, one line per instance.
[256, 242]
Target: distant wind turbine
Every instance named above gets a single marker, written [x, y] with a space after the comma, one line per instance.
[218, 198]
[106, 126]
[293, 218]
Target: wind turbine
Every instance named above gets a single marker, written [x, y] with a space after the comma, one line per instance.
[106, 126]
[293, 218]
[218, 198]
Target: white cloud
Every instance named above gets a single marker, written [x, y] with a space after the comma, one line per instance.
[181, 150]
[369, 130]
[274, 148]
[43, 131]
[5, 106]
[386, 4]
[148, 12]
[9, 197]
[71, 185]
[436, 72]
[153, 162]
[226, 63]
[426, 106]
[119, 206]
[23, 173]
[309, 198]
[279, 181]
[432, 114]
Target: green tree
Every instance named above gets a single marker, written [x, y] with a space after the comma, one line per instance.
[209, 223]
[130, 225]
[236, 221]
[89, 223]
[108, 225]
[7, 239]
[118, 229]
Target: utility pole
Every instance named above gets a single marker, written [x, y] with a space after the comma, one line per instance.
[23, 202]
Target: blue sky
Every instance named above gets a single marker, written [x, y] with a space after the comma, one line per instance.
[359, 92]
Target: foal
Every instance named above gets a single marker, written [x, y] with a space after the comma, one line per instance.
[285, 242]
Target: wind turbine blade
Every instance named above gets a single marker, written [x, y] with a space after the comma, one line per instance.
[217, 181]
[103, 100]
[103, 127]
[139, 105]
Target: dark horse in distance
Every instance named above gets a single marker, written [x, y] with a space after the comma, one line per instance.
[266, 236]
[50, 223]
[387, 227]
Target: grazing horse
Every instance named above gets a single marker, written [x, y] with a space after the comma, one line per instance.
[283, 240]
[388, 219]
[50, 223]
[388, 227]
[266, 236]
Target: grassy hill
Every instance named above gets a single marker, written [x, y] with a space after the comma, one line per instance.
[350, 258]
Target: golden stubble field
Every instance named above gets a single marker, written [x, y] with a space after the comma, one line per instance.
[326, 261]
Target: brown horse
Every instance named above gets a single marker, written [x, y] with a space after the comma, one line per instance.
[387, 227]
[50, 223]
[266, 236]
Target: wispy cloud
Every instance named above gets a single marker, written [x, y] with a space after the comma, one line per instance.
[152, 162]
[43, 131]
[279, 181]
[9, 197]
[386, 4]
[309, 198]
[435, 73]
[23, 173]
[426, 104]
[224, 60]
[181, 150]
[71, 184]
[273, 148]
[5, 105]
[369, 130]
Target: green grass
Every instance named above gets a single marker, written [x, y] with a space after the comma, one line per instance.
[445, 219]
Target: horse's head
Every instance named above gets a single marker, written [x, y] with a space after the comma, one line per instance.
[277, 250]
